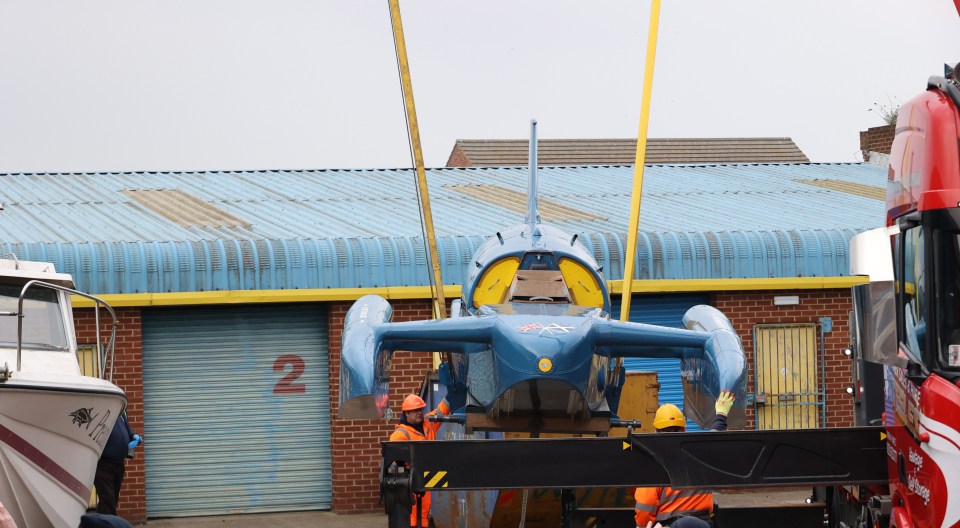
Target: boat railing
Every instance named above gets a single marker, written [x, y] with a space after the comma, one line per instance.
[104, 354]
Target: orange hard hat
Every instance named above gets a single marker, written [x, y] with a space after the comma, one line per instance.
[669, 415]
[412, 403]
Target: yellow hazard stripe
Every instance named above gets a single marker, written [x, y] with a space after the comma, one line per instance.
[436, 479]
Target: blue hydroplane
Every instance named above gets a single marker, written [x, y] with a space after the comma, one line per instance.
[531, 345]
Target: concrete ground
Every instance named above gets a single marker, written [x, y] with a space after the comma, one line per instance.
[764, 497]
[313, 519]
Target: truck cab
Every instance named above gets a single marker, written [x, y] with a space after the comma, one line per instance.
[907, 317]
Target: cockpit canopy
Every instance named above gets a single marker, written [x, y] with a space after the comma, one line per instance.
[538, 277]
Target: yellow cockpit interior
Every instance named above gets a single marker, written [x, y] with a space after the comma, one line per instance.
[581, 283]
[493, 284]
[563, 281]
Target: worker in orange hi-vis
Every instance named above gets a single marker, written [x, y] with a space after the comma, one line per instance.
[412, 426]
[666, 505]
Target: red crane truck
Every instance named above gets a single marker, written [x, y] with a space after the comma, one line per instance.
[906, 325]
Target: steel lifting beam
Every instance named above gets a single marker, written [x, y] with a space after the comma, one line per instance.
[730, 459]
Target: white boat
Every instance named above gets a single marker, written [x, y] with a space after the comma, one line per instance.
[54, 421]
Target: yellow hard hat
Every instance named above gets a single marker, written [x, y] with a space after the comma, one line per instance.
[669, 415]
[412, 403]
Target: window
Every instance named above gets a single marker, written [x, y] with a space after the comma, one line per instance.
[946, 264]
[912, 290]
[43, 326]
[928, 290]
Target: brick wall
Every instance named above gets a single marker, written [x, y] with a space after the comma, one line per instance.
[877, 139]
[458, 158]
[128, 375]
[356, 443]
[747, 309]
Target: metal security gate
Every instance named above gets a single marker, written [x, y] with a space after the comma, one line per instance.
[663, 310]
[788, 394]
[236, 410]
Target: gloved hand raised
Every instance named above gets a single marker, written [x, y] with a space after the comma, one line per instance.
[724, 402]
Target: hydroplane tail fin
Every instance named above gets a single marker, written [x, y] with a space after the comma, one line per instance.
[533, 213]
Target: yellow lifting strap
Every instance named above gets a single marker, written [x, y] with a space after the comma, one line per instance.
[413, 130]
[423, 196]
[637, 193]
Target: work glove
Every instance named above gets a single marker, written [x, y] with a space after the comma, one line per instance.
[724, 403]
[137, 440]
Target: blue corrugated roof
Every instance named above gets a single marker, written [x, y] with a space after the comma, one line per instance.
[201, 231]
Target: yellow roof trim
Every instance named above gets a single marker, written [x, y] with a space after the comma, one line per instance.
[453, 291]
[263, 296]
[777, 283]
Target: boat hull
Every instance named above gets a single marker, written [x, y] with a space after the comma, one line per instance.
[52, 431]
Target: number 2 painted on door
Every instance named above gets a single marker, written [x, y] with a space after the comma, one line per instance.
[286, 384]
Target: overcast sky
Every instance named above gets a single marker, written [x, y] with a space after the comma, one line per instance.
[234, 84]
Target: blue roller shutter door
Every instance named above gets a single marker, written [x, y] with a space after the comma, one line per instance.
[662, 310]
[236, 410]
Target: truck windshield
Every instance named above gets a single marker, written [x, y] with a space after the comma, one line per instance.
[946, 288]
[43, 326]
